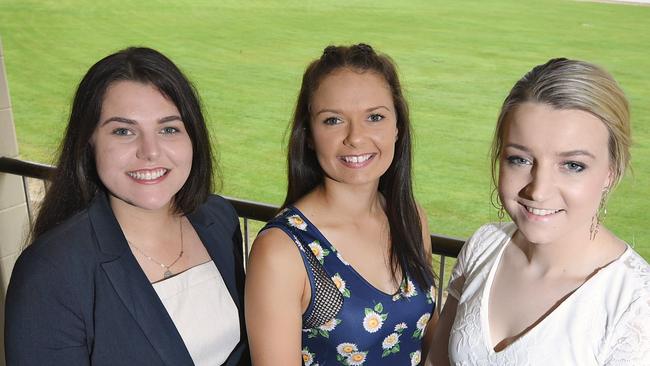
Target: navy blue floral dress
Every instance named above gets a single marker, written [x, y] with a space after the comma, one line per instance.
[358, 324]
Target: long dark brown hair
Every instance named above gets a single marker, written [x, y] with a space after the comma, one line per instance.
[305, 173]
[75, 181]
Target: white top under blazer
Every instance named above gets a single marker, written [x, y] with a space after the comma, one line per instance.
[203, 312]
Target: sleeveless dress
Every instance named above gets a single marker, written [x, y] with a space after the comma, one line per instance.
[349, 321]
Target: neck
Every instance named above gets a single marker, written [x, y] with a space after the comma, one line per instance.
[144, 226]
[354, 201]
[575, 255]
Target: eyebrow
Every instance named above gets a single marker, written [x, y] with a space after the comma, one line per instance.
[133, 122]
[325, 110]
[562, 154]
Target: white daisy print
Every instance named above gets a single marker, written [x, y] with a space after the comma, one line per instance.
[346, 349]
[330, 325]
[297, 221]
[357, 358]
[372, 322]
[318, 250]
[390, 341]
[307, 357]
[408, 290]
[400, 327]
[420, 325]
[341, 285]
[415, 358]
[422, 322]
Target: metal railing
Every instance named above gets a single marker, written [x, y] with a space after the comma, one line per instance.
[441, 245]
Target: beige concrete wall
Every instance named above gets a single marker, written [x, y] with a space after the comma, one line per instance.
[13, 204]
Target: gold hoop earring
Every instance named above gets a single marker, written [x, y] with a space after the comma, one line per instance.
[600, 215]
[496, 203]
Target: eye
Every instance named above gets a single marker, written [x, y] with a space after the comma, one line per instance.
[574, 166]
[517, 160]
[122, 132]
[169, 130]
[375, 117]
[332, 121]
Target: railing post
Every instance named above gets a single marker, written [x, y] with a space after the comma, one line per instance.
[246, 242]
[441, 282]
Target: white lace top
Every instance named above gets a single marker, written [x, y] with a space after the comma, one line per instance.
[205, 315]
[606, 321]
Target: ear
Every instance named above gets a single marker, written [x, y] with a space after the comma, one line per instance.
[610, 179]
[396, 133]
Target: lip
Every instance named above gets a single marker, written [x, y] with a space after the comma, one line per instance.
[357, 161]
[539, 214]
[148, 176]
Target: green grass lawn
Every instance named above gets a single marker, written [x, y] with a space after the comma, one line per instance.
[457, 59]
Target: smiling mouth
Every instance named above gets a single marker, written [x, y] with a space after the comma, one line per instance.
[148, 175]
[540, 211]
[356, 159]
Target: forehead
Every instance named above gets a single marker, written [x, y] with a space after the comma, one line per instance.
[127, 95]
[347, 87]
[541, 127]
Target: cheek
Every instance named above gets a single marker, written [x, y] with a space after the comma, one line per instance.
[584, 195]
[508, 183]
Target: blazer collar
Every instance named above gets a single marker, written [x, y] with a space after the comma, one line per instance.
[133, 287]
[135, 290]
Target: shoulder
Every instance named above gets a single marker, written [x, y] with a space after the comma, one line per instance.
[630, 278]
[218, 208]
[274, 244]
[58, 264]
[485, 241]
[488, 237]
[69, 241]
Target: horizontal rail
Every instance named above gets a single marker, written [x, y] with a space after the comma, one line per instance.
[440, 244]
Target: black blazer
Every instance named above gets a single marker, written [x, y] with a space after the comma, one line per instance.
[77, 295]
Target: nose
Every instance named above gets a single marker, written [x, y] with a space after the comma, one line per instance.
[354, 134]
[541, 183]
[148, 148]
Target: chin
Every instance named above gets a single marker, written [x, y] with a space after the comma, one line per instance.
[145, 203]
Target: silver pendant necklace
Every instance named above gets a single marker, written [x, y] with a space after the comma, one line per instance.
[167, 267]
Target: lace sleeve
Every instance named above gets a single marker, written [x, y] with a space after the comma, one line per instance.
[457, 279]
[630, 339]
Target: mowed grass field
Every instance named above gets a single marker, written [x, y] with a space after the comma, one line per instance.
[457, 62]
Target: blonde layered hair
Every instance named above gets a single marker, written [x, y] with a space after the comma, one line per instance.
[572, 84]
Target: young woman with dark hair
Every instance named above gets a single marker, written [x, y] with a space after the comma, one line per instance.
[343, 274]
[133, 260]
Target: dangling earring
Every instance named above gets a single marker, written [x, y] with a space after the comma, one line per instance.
[496, 203]
[600, 214]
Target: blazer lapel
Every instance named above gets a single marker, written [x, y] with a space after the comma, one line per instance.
[133, 287]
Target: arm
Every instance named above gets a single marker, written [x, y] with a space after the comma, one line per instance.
[276, 288]
[426, 241]
[439, 350]
[43, 323]
[630, 338]
[439, 347]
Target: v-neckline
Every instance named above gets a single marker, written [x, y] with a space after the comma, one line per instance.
[345, 262]
[487, 289]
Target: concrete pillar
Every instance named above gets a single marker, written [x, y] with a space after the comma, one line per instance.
[13, 203]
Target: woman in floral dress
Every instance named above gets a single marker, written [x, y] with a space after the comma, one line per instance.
[342, 276]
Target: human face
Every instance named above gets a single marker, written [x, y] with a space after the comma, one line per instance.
[553, 169]
[354, 126]
[142, 151]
